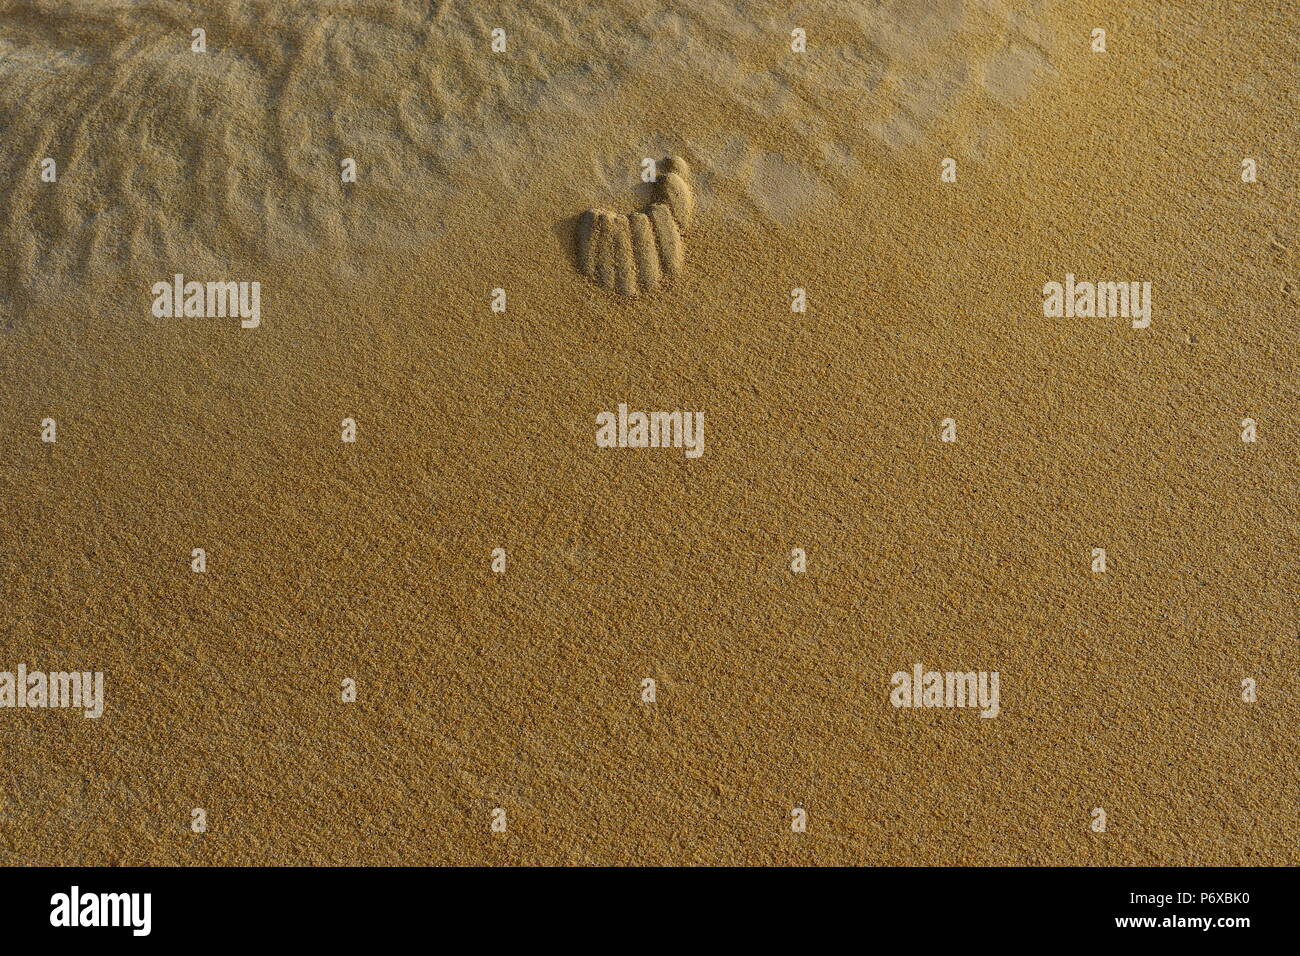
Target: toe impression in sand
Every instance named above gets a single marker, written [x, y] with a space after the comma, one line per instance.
[633, 254]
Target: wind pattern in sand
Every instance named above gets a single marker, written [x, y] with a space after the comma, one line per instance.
[172, 157]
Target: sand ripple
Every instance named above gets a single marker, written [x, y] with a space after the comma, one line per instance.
[173, 159]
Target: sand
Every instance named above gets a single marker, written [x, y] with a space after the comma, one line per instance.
[628, 254]
[373, 560]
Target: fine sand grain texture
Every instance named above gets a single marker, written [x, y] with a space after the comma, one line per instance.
[815, 178]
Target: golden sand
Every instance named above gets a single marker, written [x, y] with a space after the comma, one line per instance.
[372, 560]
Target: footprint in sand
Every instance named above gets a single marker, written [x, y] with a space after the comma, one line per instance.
[633, 254]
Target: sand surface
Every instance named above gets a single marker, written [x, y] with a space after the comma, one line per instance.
[372, 560]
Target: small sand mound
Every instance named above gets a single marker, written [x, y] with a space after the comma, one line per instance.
[624, 254]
